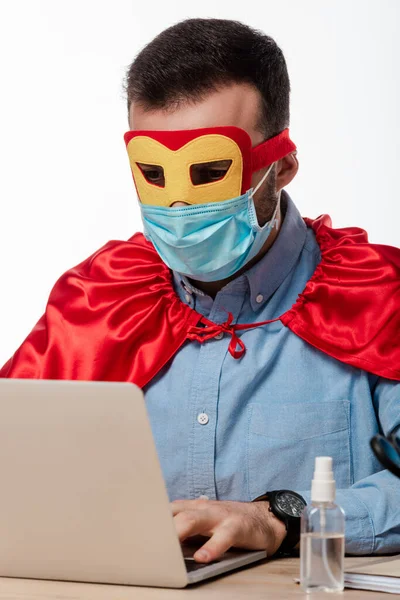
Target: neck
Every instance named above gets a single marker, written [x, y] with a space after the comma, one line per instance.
[213, 287]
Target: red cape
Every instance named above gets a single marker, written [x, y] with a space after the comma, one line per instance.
[116, 316]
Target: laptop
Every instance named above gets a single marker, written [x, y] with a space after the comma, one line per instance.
[82, 494]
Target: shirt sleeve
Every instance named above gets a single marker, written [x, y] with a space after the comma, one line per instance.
[372, 504]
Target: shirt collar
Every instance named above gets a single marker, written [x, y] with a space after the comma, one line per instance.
[265, 277]
[185, 290]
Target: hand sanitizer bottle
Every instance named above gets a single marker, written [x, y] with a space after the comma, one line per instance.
[322, 534]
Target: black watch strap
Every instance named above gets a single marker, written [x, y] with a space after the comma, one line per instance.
[291, 540]
[292, 524]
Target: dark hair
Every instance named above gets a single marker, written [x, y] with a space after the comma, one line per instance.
[196, 56]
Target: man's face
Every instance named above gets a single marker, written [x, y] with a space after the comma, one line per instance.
[236, 105]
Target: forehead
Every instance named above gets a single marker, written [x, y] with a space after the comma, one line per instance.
[237, 105]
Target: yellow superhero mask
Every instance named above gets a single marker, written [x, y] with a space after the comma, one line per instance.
[198, 166]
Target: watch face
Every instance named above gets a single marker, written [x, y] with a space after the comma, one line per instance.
[289, 504]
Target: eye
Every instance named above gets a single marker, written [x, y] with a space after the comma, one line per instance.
[202, 173]
[153, 174]
[215, 174]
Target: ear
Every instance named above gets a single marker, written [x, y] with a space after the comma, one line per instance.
[286, 170]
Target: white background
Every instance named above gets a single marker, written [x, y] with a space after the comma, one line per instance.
[65, 183]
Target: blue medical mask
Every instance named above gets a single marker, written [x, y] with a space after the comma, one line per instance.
[208, 242]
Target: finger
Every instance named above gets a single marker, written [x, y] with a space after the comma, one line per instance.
[192, 522]
[178, 506]
[222, 539]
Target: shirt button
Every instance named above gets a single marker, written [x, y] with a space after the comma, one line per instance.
[259, 298]
[202, 419]
[187, 297]
[219, 336]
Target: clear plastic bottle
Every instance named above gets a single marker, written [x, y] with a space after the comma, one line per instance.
[322, 534]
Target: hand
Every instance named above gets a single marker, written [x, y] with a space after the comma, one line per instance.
[247, 525]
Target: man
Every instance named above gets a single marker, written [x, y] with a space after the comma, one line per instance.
[261, 340]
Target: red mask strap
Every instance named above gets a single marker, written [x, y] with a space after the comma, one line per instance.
[272, 150]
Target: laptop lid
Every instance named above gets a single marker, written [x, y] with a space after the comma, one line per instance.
[82, 493]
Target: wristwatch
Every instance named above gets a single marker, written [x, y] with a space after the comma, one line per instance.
[286, 506]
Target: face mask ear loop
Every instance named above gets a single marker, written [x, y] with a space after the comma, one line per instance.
[259, 184]
[274, 221]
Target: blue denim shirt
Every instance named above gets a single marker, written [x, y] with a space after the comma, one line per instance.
[234, 429]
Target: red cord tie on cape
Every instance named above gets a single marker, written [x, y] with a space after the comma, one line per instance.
[211, 330]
